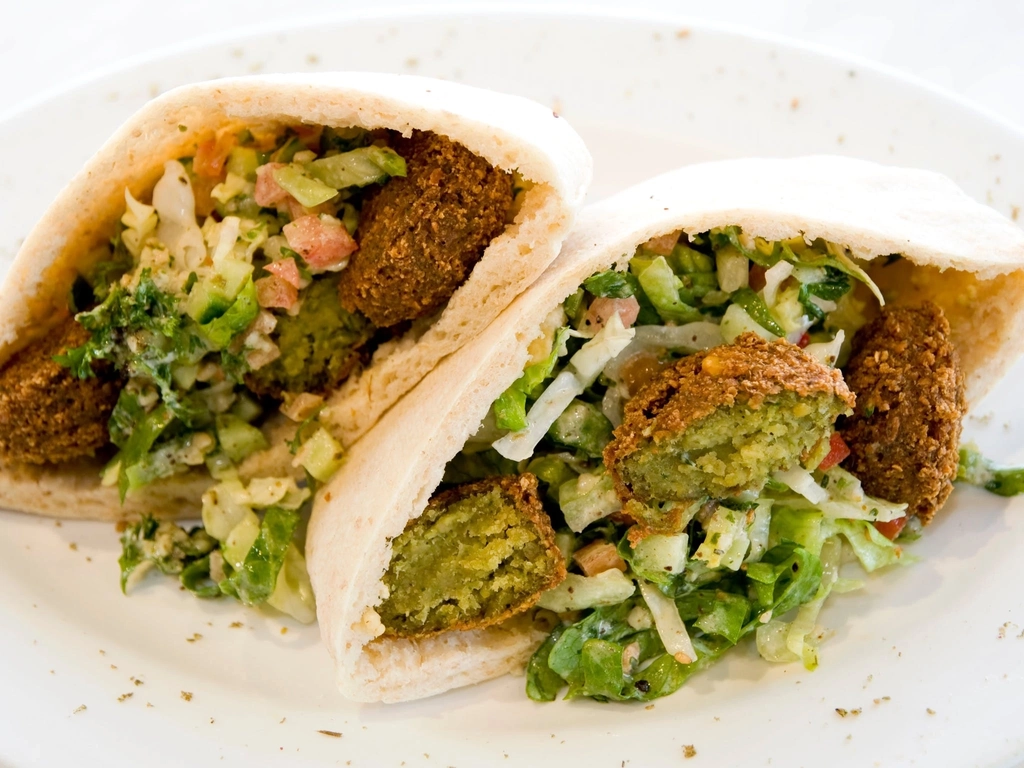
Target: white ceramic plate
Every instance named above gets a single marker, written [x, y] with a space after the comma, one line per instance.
[928, 661]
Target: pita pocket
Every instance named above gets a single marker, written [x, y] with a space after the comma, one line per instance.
[245, 252]
[651, 278]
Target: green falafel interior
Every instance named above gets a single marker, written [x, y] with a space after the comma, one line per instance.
[684, 419]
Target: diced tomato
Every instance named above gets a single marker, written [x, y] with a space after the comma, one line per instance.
[601, 309]
[287, 270]
[211, 156]
[757, 280]
[322, 241]
[892, 528]
[309, 135]
[837, 451]
[268, 192]
[275, 292]
[202, 186]
[804, 340]
[664, 244]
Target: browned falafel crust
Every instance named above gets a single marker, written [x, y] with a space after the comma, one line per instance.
[47, 414]
[745, 373]
[904, 436]
[420, 236]
[533, 562]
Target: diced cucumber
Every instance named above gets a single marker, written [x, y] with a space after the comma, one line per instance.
[659, 558]
[246, 408]
[232, 275]
[185, 375]
[321, 455]
[220, 331]
[206, 302]
[243, 161]
[237, 438]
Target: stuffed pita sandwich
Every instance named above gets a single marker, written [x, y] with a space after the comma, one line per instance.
[732, 373]
[249, 255]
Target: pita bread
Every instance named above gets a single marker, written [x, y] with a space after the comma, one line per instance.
[961, 254]
[509, 132]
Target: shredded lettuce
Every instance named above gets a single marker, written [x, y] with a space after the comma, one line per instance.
[255, 579]
[659, 559]
[662, 287]
[587, 498]
[581, 371]
[786, 641]
[872, 549]
[787, 576]
[161, 544]
[309, 191]
[716, 612]
[577, 592]
[175, 205]
[510, 407]
[755, 307]
[611, 284]
[357, 168]
[668, 623]
[235, 553]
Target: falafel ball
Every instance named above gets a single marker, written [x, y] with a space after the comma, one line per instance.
[716, 424]
[479, 554]
[47, 414]
[904, 435]
[419, 236]
[320, 346]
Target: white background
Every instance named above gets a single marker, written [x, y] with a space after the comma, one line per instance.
[974, 48]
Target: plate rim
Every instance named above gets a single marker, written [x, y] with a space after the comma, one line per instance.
[124, 66]
[466, 10]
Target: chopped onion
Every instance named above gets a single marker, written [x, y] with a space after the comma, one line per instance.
[801, 481]
[773, 278]
[604, 347]
[727, 539]
[809, 274]
[612, 404]
[733, 270]
[825, 305]
[794, 336]
[758, 530]
[639, 618]
[227, 236]
[581, 371]
[175, 204]
[827, 352]
[669, 624]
